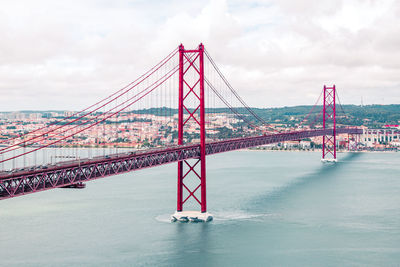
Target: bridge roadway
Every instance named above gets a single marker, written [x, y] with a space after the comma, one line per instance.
[33, 180]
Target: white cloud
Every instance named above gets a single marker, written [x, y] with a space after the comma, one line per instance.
[52, 53]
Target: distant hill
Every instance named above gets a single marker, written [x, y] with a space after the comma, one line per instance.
[370, 115]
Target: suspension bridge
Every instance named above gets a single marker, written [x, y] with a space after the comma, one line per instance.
[181, 110]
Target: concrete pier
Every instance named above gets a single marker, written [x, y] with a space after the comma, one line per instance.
[191, 216]
[329, 160]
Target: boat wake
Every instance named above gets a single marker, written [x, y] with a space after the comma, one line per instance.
[224, 216]
[240, 216]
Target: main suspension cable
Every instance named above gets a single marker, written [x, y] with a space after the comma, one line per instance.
[233, 90]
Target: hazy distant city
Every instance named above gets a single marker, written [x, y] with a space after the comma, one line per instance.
[154, 128]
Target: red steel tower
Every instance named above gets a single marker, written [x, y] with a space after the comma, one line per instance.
[192, 112]
[329, 140]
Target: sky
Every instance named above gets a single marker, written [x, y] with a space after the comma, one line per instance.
[69, 54]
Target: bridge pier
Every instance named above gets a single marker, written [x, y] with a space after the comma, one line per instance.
[191, 216]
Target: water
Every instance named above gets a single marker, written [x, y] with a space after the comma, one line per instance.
[270, 208]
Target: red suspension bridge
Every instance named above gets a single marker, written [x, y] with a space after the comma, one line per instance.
[181, 110]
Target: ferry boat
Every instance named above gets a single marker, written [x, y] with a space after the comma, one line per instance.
[77, 185]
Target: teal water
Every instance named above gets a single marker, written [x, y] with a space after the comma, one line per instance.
[270, 209]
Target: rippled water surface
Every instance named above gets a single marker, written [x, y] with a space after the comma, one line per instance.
[270, 208]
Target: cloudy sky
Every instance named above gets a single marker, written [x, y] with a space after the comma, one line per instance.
[68, 54]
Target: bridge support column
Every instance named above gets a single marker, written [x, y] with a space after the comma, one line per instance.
[348, 142]
[191, 90]
[354, 145]
[329, 112]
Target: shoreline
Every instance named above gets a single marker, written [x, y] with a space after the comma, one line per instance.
[316, 150]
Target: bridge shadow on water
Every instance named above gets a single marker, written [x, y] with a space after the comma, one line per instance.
[326, 171]
[197, 243]
[191, 244]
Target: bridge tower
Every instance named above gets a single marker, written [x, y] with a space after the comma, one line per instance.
[329, 121]
[192, 110]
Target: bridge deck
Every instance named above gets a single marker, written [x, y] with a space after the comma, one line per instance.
[72, 172]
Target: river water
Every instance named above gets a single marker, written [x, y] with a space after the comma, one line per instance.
[270, 209]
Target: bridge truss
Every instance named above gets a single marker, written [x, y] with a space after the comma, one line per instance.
[202, 92]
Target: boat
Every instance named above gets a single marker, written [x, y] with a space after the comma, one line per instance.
[77, 185]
